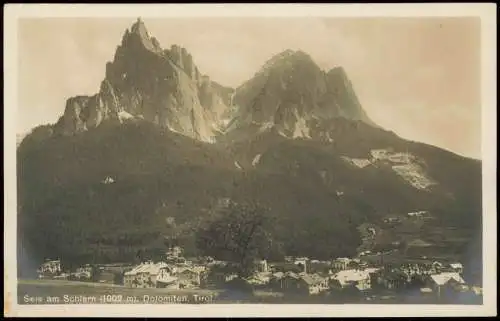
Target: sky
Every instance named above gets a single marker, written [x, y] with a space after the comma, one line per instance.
[419, 77]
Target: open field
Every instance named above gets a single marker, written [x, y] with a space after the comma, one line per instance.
[71, 292]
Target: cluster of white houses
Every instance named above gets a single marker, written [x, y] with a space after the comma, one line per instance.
[163, 275]
[296, 275]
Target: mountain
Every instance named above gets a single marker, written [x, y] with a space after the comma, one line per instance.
[161, 141]
[294, 97]
[19, 138]
[144, 81]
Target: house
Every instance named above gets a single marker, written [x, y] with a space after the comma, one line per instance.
[436, 267]
[355, 264]
[457, 285]
[106, 276]
[312, 284]
[219, 274]
[275, 280]
[393, 280]
[49, 268]
[477, 290]
[358, 278]
[379, 154]
[418, 214]
[260, 278]
[289, 282]
[364, 253]
[261, 266]
[190, 276]
[436, 280]
[206, 260]
[319, 267]
[418, 243]
[445, 283]
[62, 276]
[392, 219]
[286, 267]
[334, 284]
[108, 180]
[278, 275]
[148, 275]
[321, 281]
[426, 291]
[302, 283]
[175, 260]
[340, 264]
[83, 272]
[400, 158]
[175, 251]
[87, 268]
[167, 280]
[303, 262]
[457, 267]
[371, 270]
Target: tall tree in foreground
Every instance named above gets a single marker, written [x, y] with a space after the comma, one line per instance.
[237, 234]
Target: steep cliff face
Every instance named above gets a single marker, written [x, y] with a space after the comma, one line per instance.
[147, 82]
[293, 96]
[290, 95]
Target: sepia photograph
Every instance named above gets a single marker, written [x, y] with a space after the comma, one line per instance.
[250, 160]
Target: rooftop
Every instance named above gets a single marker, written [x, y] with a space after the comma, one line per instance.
[443, 278]
[149, 268]
[351, 276]
[456, 265]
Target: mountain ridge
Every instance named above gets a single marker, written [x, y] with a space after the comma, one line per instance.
[165, 87]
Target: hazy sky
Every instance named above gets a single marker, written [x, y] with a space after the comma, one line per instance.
[419, 77]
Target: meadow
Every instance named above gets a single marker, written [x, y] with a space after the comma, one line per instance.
[71, 292]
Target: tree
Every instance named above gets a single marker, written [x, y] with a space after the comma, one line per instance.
[237, 234]
[95, 274]
[118, 278]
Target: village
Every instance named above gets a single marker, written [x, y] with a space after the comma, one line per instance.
[341, 280]
[410, 274]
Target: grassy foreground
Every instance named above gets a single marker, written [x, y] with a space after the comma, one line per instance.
[74, 292]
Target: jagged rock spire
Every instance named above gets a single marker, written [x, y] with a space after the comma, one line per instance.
[144, 82]
[140, 28]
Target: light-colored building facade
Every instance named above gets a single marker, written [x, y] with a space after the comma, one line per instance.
[310, 284]
[149, 275]
[358, 278]
[340, 264]
[49, 267]
[189, 276]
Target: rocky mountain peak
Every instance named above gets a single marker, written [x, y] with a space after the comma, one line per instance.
[288, 60]
[138, 38]
[293, 96]
[140, 28]
[289, 94]
[145, 82]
